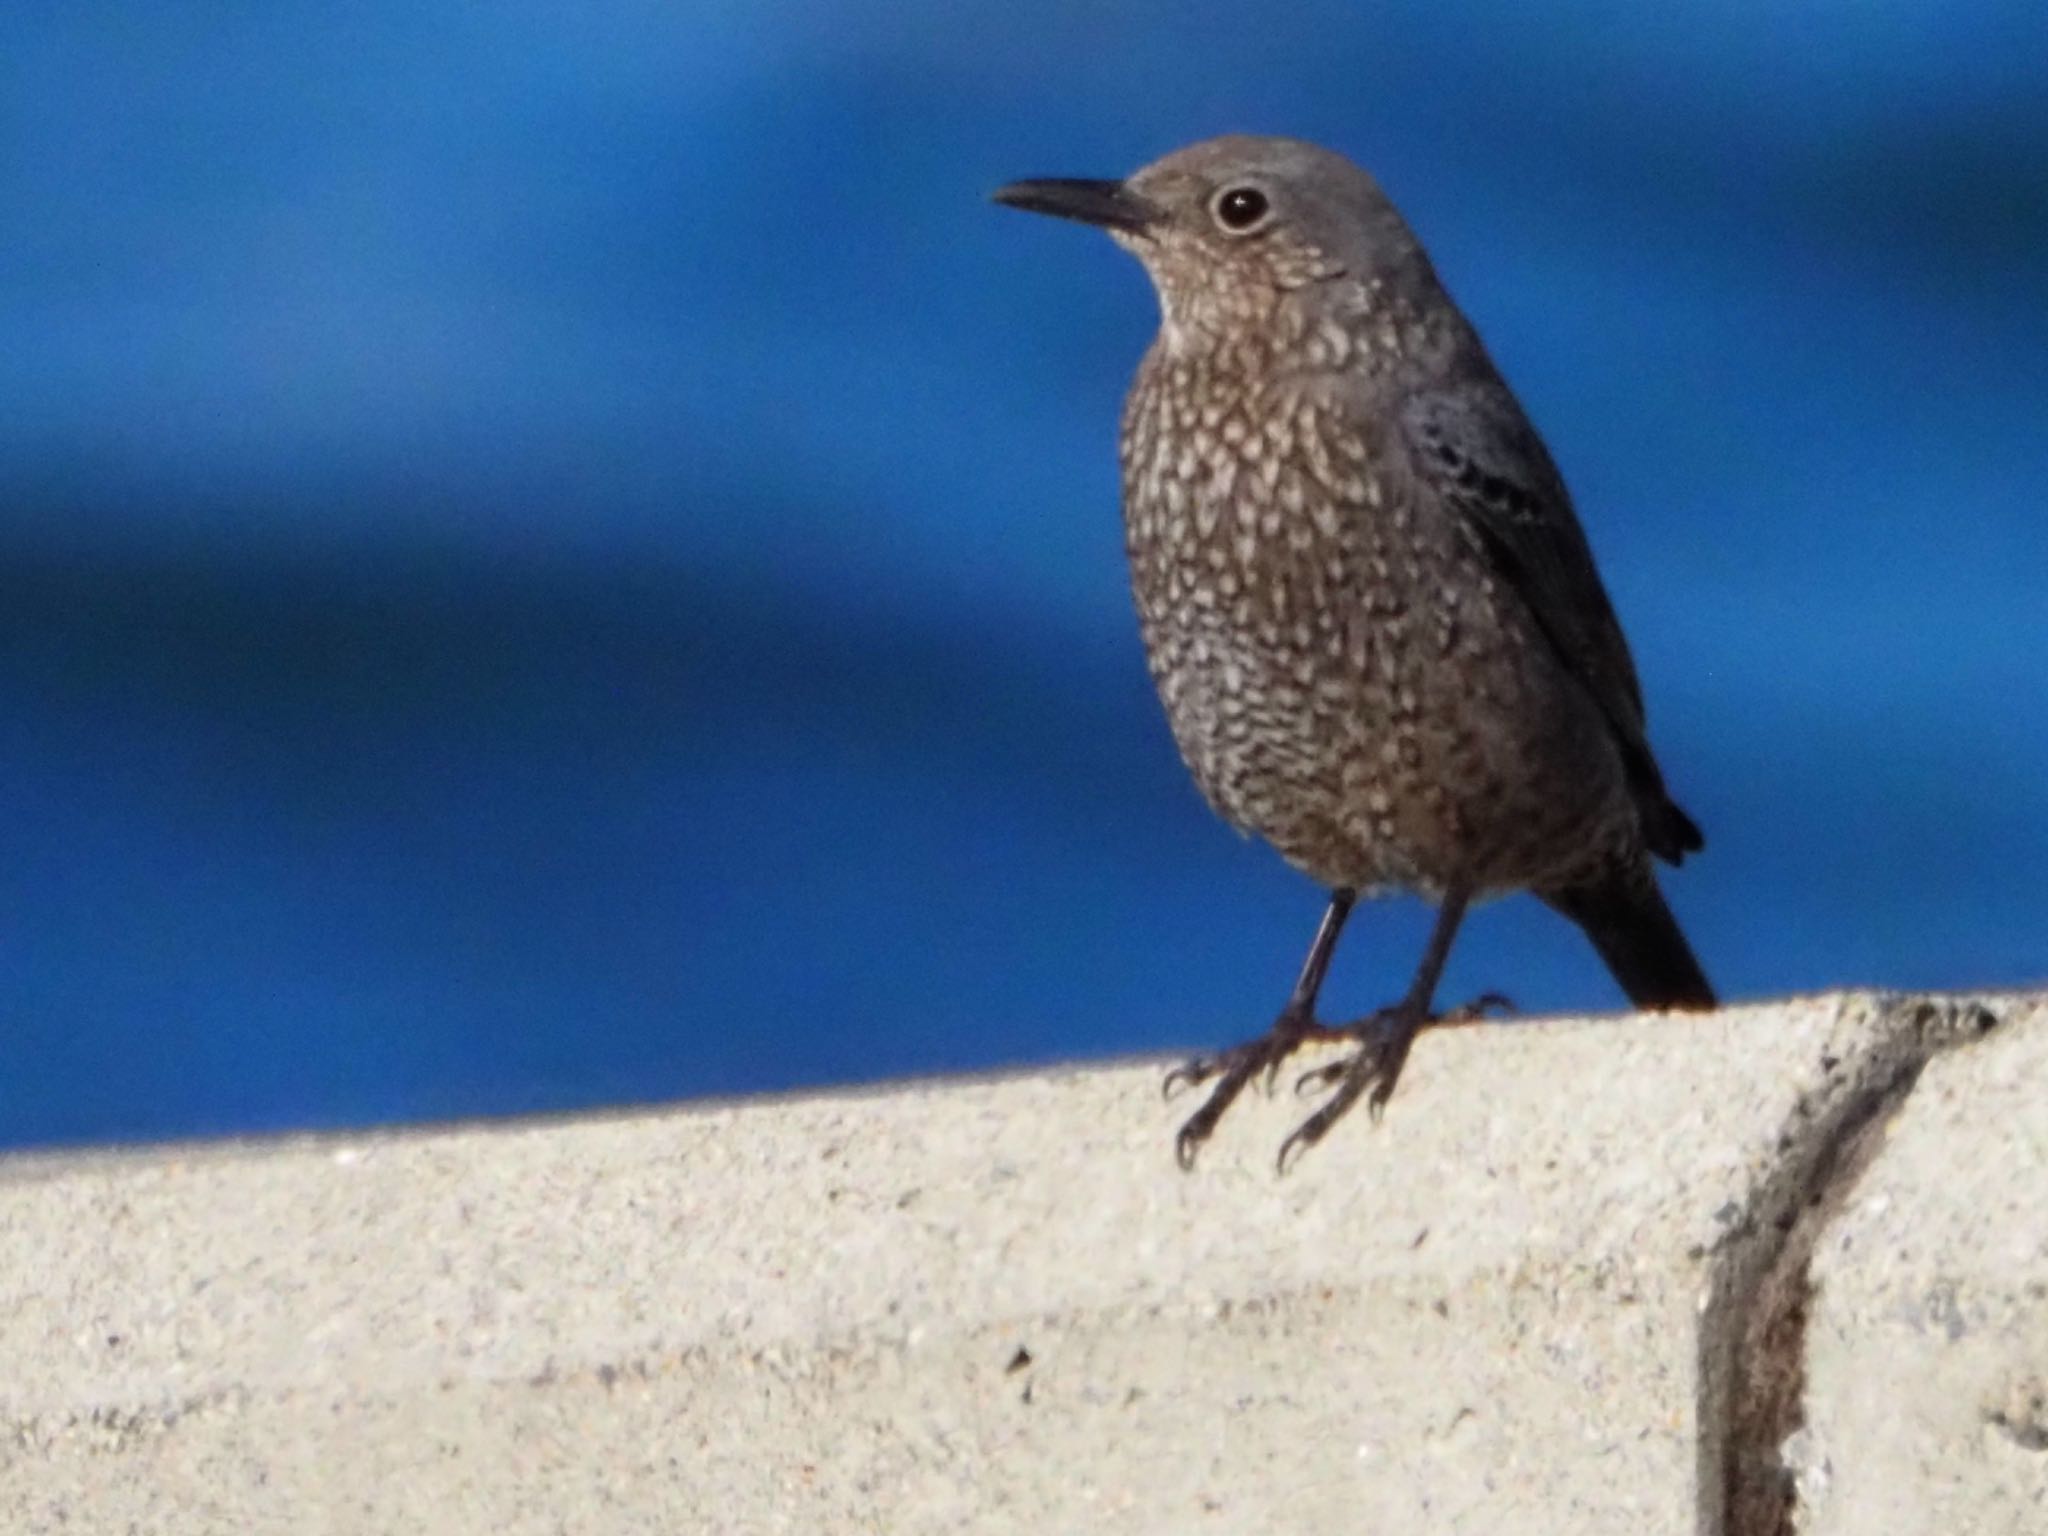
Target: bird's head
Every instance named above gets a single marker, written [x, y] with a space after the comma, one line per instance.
[1229, 227]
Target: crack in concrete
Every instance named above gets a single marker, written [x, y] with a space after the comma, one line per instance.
[1753, 1331]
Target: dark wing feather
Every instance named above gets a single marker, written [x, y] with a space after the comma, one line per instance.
[1476, 449]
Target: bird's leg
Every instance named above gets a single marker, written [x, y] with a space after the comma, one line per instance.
[1239, 1065]
[1384, 1038]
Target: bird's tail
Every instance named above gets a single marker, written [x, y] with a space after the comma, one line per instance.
[1626, 918]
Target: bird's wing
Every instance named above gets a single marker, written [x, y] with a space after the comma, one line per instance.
[1473, 446]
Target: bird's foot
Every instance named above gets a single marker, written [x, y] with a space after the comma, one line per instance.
[1383, 1041]
[1234, 1069]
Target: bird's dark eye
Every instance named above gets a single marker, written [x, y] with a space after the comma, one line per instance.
[1239, 209]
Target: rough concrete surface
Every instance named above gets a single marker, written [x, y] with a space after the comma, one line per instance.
[1927, 1395]
[1562, 1289]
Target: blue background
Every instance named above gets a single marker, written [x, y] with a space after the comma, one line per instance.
[557, 555]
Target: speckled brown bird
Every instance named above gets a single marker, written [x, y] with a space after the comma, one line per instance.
[1367, 605]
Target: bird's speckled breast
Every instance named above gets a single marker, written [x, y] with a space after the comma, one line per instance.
[1304, 627]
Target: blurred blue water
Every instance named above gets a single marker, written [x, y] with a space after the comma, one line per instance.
[562, 557]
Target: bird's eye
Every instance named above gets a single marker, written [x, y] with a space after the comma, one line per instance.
[1241, 209]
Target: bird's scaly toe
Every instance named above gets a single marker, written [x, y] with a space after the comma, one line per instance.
[1234, 1070]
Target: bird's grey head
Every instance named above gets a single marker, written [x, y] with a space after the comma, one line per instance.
[1229, 227]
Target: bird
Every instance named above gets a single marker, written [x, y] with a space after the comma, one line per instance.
[1367, 605]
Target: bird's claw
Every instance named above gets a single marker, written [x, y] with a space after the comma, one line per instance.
[1316, 1079]
[1298, 1142]
[1373, 1069]
[1369, 1073]
[1255, 1060]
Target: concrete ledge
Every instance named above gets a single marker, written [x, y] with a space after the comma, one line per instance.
[1568, 1286]
[1927, 1349]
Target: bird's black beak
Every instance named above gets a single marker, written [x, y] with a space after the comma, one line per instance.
[1106, 204]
